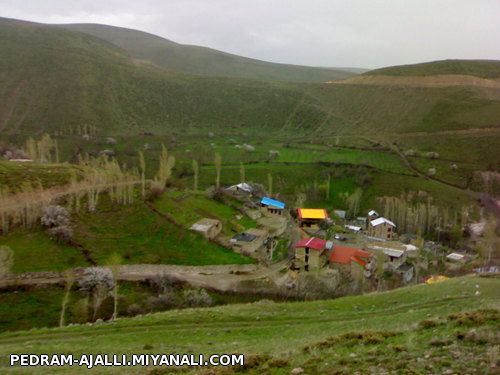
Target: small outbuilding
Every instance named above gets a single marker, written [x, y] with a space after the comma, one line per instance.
[272, 206]
[209, 228]
[395, 257]
[340, 214]
[353, 228]
[311, 216]
[249, 241]
[311, 253]
[455, 257]
[372, 215]
[381, 228]
[242, 187]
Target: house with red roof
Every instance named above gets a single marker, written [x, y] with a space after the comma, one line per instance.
[352, 260]
[346, 255]
[311, 253]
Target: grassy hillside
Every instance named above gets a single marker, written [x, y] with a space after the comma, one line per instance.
[135, 232]
[478, 68]
[442, 327]
[204, 61]
[56, 80]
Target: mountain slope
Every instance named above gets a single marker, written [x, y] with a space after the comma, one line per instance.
[53, 79]
[476, 68]
[204, 61]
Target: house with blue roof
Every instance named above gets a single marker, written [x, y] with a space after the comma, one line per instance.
[272, 206]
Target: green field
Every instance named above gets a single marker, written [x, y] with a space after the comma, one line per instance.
[189, 207]
[390, 330]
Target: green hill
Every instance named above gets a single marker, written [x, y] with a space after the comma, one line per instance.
[204, 61]
[442, 327]
[478, 68]
[58, 81]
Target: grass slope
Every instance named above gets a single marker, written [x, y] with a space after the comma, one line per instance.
[478, 68]
[201, 60]
[343, 335]
[53, 79]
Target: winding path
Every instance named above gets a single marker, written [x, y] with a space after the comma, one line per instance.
[220, 277]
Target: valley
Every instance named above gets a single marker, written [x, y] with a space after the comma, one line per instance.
[155, 195]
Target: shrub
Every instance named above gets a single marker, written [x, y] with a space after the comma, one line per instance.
[62, 233]
[156, 189]
[428, 323]
[162, 302]
[134, 309]
[55, 216]
[196, 298]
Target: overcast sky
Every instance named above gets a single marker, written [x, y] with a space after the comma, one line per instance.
[355, 33]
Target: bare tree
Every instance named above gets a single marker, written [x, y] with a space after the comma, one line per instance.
[196, 171]
[270, 183]
[6, 260]
[114, 262]
[99, 282]
[70, 279]
[142, 166]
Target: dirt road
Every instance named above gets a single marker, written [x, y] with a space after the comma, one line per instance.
[223, 278]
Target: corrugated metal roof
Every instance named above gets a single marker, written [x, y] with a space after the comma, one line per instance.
[393, 252]
[312, 243]
[381, 220]
[312, 213]
[272, 202]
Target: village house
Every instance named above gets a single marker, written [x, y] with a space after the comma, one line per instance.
[272, 206]
[372, 215]
[311, 253]
[250, 241]
[209, 228]
[395, 257]
[396, 263]
[381, 228]
[311, 216]
[352, 260]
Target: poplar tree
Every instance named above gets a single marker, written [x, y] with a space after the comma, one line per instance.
[195, 174]
[218, 163]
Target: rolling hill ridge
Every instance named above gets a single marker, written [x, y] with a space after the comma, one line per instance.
[55, 79]
[201, 60]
